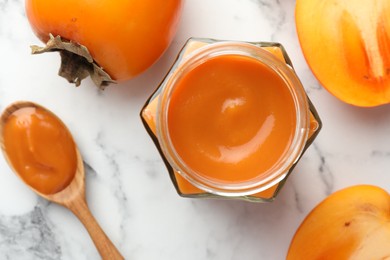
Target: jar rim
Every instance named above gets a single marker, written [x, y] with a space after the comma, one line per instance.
[298, 94]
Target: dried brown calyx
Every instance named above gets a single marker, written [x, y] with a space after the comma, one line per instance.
[76, 62]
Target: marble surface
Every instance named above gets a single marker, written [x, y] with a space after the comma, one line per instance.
[128, 189]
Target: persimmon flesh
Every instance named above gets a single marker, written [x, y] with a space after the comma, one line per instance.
[347, 46]
[125, 37]
[353, 223]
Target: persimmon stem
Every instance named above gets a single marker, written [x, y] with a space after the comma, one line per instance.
[76, 62]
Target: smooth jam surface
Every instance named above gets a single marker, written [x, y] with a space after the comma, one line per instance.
[40, 149]
[231, 118]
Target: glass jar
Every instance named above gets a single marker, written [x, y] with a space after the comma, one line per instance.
[193, 177]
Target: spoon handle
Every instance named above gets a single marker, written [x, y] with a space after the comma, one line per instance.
[106, 248]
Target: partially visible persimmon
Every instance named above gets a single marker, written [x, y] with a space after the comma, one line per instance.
[347, 46]
[124, 37]
[353, 223]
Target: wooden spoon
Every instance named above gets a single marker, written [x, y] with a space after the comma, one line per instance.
[73, 196]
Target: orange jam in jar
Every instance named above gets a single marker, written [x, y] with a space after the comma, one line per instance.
[231, 119]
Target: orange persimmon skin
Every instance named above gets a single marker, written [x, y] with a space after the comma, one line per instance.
[347, 46]
[125, 37]
[353, 223]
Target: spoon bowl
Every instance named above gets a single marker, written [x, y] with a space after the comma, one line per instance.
[73, 195]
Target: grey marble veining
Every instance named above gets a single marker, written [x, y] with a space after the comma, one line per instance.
[325, 172]
[28, 236]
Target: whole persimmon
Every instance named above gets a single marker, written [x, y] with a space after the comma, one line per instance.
[123, 37]
[353, 223]
[347, 46]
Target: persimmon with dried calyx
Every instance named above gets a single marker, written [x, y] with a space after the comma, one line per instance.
[107, 39]
[353, 223]
[347, 46]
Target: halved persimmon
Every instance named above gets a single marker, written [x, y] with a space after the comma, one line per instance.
[353, 223]
[347, 46]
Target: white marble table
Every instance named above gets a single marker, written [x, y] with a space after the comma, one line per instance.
[128, 188]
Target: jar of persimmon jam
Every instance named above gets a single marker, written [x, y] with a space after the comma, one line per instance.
[231, 120]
